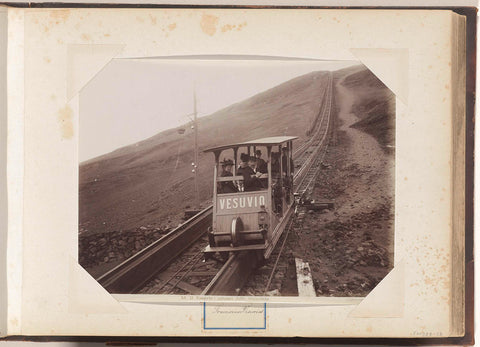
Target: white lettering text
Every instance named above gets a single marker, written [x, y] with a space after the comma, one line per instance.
[241, 202]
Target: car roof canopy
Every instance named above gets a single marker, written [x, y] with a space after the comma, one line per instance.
[265, 141]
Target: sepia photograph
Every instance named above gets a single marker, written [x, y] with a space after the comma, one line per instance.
[237, 177]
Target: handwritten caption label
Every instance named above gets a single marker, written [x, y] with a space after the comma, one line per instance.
[234, 316]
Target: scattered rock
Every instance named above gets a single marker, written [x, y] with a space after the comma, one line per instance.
[274, 292]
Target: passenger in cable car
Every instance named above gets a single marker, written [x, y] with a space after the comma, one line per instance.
[288, 180]
[250, 180]
[252, 162]
[285, 160]
[262, 168]
[275, 165]
[261, 164]
[229, 186]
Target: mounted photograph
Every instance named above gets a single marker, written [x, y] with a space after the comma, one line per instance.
[237, 177]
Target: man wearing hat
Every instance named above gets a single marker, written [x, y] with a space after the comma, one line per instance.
[250, 181]
[285, 161]
[227, 187]
[261, 164]
[288, 180]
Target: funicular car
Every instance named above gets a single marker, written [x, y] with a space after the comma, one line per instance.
[251, 217]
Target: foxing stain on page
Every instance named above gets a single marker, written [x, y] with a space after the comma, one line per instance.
[209, 24]
[65, 116]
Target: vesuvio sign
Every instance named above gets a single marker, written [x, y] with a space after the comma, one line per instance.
[244, 203]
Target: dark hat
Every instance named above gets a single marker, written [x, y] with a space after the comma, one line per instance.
[244, 157]
[259, 152]
[227, 162]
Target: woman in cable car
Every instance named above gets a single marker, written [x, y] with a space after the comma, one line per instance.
[250, 208]
[227, 186]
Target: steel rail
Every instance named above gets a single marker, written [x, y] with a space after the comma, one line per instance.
[234, 274]
[133, 273]
[301, 148]
[267, 286]
[136, 271]
[310, 169]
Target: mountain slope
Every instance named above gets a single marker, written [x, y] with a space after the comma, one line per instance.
[374, 105]
[150, 182]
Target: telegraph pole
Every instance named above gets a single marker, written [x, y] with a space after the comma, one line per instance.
[195, 167]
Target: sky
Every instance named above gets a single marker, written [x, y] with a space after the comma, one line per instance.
[133, 99]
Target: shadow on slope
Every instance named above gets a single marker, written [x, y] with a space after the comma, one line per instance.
[374, 105]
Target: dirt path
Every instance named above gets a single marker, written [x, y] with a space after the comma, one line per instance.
[349, 248]
[364, 151]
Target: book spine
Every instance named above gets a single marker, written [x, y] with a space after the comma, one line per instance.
[458, 62]
[3, 172]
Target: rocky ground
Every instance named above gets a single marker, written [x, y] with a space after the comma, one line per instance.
[350, 247]
[99, 253]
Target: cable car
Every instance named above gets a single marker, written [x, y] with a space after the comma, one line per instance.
[251, 210]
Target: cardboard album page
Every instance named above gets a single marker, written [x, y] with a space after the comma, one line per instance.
[3, 175]
[103, 107]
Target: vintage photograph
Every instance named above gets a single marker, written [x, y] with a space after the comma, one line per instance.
[254, 177]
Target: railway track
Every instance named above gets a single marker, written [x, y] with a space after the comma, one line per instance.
[238, 268]
[139, 271]
[318, 147]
